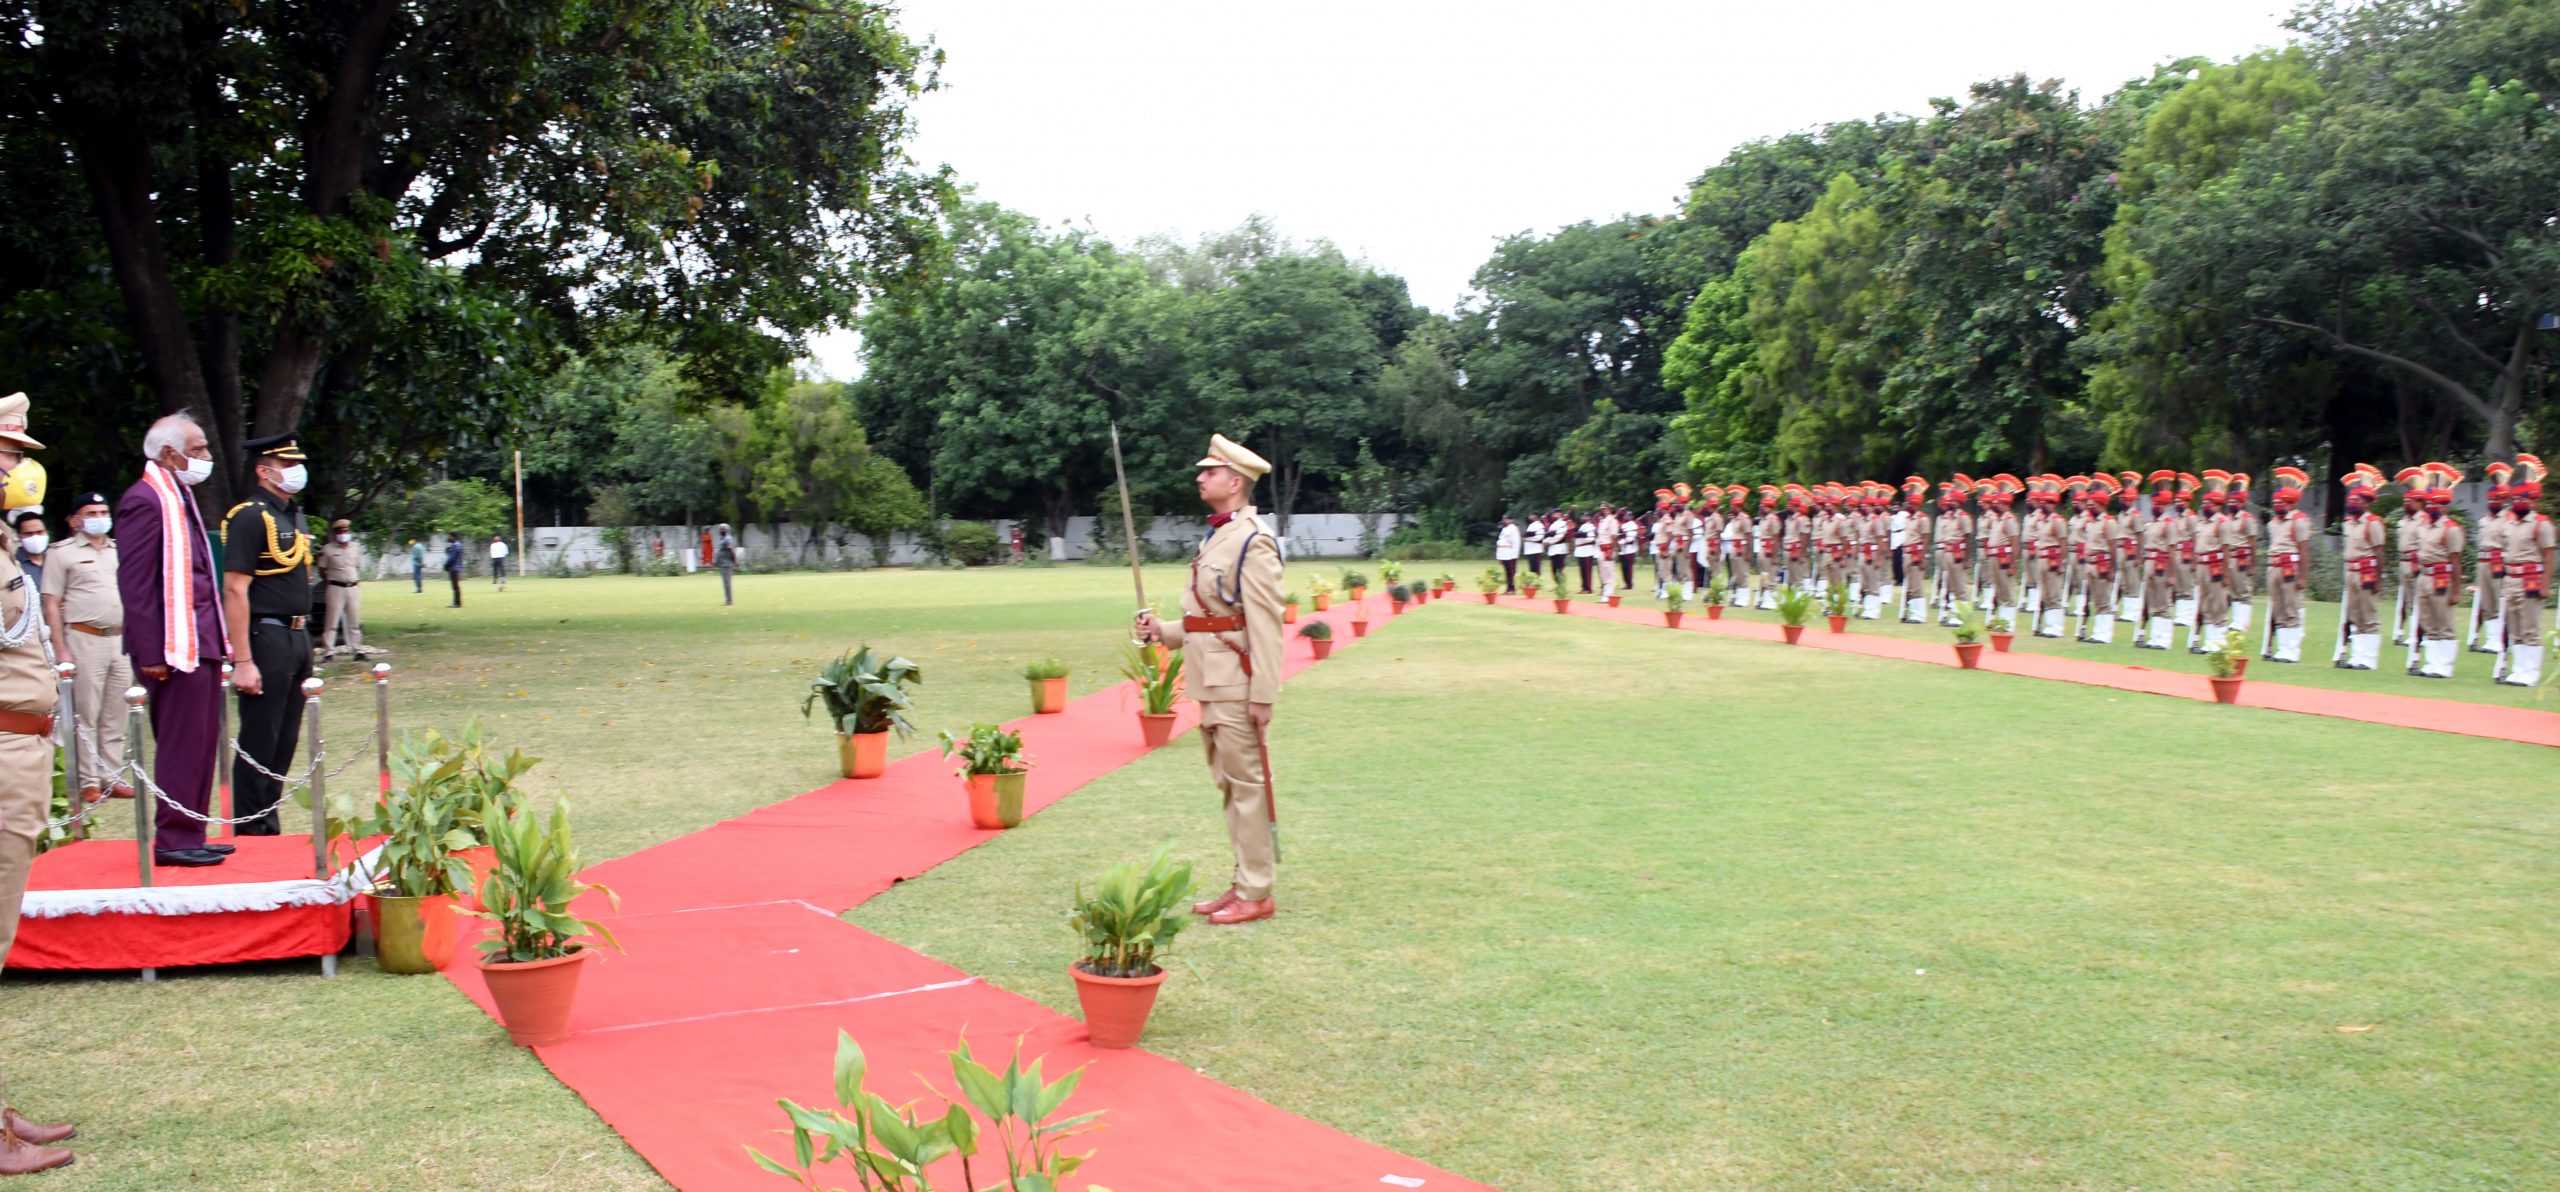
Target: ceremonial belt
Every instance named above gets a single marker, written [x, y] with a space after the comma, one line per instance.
[2497, 560]
[342, 583]
[284, 622]
[26, 724]
[1192, 624]
[2527, 570]
[91, 630]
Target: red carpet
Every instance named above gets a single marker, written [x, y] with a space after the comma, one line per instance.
[737, 974]
[184, 931]
[2490, 721]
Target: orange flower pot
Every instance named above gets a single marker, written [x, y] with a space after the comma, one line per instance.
[1155, 729]
[1792, 631]
[1115, 1008]
[2000, 642]
[1323, 647]
[1360, 591]
[2225, 691]
[863, 755]
[1048, 696]
[1671, 617]
[1288, 614]
[534, 997]
[1838, 624]
[1324, 602]
[1969, 654]
[1489, 597]
[482, 859]
[1564, 603]
[995, 800]
[1613, 600]
[1359, 629]
[1715, 612]
[1395, 608]
[414, 934]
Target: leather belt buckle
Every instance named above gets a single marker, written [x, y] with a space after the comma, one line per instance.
[26, 724]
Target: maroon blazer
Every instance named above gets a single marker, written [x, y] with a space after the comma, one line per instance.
[138, 536]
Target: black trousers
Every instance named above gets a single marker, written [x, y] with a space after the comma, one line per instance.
[1897, 565]
[1626, 571]
[456, 577]
[1584, 566]
[1555, 563]
[270, 723]
[1510, 575]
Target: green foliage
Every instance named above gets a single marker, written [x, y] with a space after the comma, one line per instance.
[446, 793]
[1159, 682]
[1715, 591]
[1045, 668]
[1354, 579]
[1292, 598]
[1969, 630]
[1320, 587]
[1399, 594]
[986, 749]
[1795, 606]
[971, 544]
[1316, 631]
[888, 1147]
[1418, 549]
[1490, 582]
[1835, 600]
[1391, 572]
[2228, 656]
[864, 693]
[531, 893]
[1675, 598]
[471, 507]
[1132, 915]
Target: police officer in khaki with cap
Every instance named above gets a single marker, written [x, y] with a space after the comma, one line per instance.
[26, 771]
[86, 612]
[1230, 638]
[342, 568]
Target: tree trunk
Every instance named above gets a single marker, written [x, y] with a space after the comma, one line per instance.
[116, 162]
[1058, 505]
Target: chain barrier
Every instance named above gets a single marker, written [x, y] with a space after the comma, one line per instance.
[354, 756]
[134, 774]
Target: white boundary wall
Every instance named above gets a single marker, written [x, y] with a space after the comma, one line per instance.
[1311, 535]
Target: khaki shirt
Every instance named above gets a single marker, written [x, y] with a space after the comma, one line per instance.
[2440, 542]
[83, 578]
[2363, 535]
[1237, 572]
[26, 676]
[2288, 534]
[342, 562]
[1999, 530]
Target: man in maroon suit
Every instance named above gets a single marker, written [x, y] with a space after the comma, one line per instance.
[174, 630]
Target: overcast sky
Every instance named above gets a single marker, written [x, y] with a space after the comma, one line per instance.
[1417, 134]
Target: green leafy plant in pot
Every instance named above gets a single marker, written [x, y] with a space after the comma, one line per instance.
[532, 960]
[1835, 607]
[1391, 572]
[1319, 635]
[1129, 919]
[1158, 675]
[1048, 678]
[2226, 661]
[1324, 594]
[1714, 596]
[1489, 584]
[1968, 635]
[866, 699]
[1795, 608]
[1675, 605]
[1289, 608]
[890, 1146]
[445, 792]
[1999, 630]
[994, 768]
[1397, 596]
[1354, 585]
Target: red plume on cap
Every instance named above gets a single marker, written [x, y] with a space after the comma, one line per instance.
[1768, 497]
[2498, 476]
[1680, 492]
[2289, 485]
[1735, 494]
[2215, 481]
[2529, 473]
[2441, 479]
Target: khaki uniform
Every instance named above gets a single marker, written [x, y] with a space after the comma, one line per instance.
[1764, 570]
[1951, 540]
[2288, 571]
[342, 568]
[82, 583]
[2530, 543]
[1797, 539]
[2212, 573]
[2440, 543]
[1237, 574]
[2000, 558]
[2363, 539]
[26, 757]
[1919, 536]
[2159, 582]
[2097, 553]
[2051, 538]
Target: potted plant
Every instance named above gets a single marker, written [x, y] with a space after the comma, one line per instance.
[1397, 595]
[1563, 597]
[994, 769]
[1390, 572]
[2226, 660]
[1131, 916]
[1968, 635]
[1489, 585]
[1795, 607]
[1048, 679]
[1675, 605]
[1530, 585]
[1289, 608]
[464, 772]
[1360, 620]
[532, 960]
[2001, 635]
[1354, 585]
[1447, 583]
[1835, 607]
[866, 698]
[1715, 598]
[1319, 635]
[418, 866]
[1324, 594]
[1158, 674]
[889, 1147]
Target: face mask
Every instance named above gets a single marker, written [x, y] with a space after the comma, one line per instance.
[344, 539]
[196, 472]
[292, 479]
[96, 527]
[35, 543]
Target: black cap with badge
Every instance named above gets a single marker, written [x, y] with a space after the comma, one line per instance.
[281, 446]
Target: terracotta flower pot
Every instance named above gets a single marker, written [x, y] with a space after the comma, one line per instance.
[482, 859]
[1969, 654]
[2000, 642]
[1360, 591]
[1792, 631]
[1156, 729]
[2240, 668]
[1531, 591]
[995, 800]
[1838, 624]
[864, 755]
[1323, 647]
[1489, 597]
[1324, 602]
[534, 997]
[1564, 603]
[1359, 629]
[1671, 617]
[2225, 691]
[1395, 608]
[1288, 614]
[1715, 612]
[1613, 600]
[1048, 696]
[1115, 1008]
[415, 935]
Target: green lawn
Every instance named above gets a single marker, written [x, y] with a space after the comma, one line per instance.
[1567, 905]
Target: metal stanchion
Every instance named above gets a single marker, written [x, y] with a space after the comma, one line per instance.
[67, 714]
[382, 722]
[311, 689]
[145, 802]
[221, 801]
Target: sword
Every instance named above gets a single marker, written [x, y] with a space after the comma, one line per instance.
[1129, 527]
[2400, 605]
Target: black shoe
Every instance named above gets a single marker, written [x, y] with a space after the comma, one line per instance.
[221, 850]
[186, 858]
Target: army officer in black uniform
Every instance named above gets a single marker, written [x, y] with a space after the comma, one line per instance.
[266, 603]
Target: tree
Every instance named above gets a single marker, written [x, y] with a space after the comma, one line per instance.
[1814, 289]
[1289, 358]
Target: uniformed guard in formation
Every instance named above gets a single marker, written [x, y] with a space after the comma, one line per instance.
[2176, 558]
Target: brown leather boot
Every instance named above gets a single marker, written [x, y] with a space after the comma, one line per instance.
[1241, 911]
[37, 1132]
[1214, 905]
[20, 1157]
